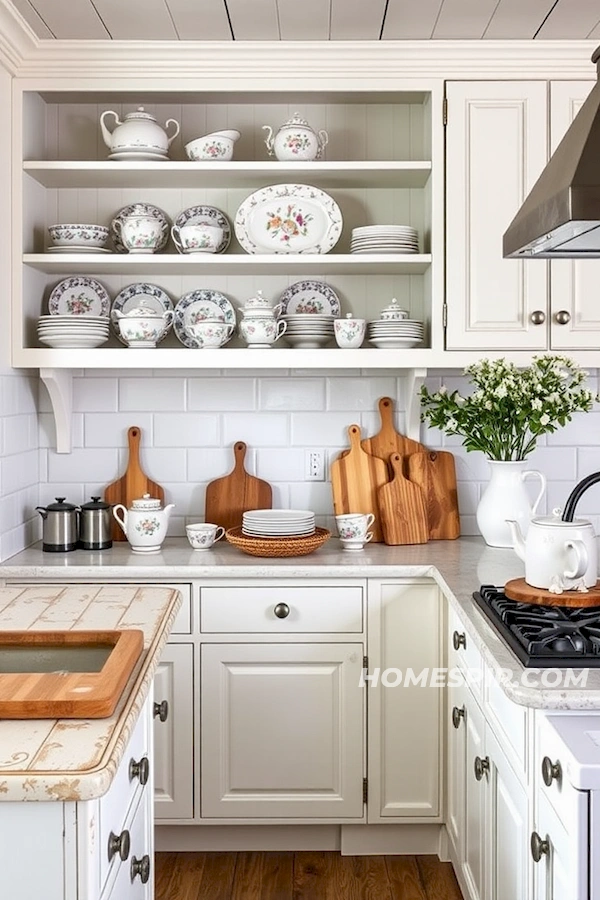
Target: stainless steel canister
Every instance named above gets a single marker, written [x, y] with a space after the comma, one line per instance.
[95, 523]
[59, 528]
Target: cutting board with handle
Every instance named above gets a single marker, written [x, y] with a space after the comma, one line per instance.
[356, 476]
[402, 508]
[133, 484]
[388, 440]
[228, 497]
[435, 474]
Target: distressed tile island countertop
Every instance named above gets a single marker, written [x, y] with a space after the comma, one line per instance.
[76, 759]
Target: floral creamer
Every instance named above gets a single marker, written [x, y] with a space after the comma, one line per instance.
[296, 141]
[144, 524]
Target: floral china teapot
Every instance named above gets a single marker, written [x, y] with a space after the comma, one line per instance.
[144, 523]
[260, 307]
[139, 131]
[296, 140]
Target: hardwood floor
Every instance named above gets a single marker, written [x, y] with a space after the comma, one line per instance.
[302, 876]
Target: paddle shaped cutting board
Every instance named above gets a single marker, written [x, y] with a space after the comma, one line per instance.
[355, 479]
[434, 472]
[228, 497]
[133, 484]
[402, 508]
[388, 440]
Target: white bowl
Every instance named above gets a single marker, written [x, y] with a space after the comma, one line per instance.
[78, 235]
[217, 146]
[142, 331]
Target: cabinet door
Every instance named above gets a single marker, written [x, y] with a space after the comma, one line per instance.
[496, 146]
[475, 803]
[456, 768]
[404, 708]
[574, 284]
[174, 738]
[562, 871]
[282, 731]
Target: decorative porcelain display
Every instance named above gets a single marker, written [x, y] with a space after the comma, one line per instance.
[260, 307]
[393, 312]
[139, 209]
[81, 237]
[197, 305]
[139, 233]
[218, 146]
[349, 332]
[394, 330]
[68, 331]
[197, 238]
[296, 141]
[138, 131]
[206, 215]
[261, 332]
[209, 333]
[142, 327]
[558, 555]
[144, 524]
[310, 297]
[147, 297]
[288, 218]
[203, 536]
[384, 239]
[79, 296]
[308, 331]
[505, 498]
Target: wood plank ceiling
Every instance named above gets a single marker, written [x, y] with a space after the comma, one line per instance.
[320, 20]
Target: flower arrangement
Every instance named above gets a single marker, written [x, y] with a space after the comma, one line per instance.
[510, 407]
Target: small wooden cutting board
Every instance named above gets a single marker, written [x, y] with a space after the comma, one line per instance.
[355, 479]
[388, 440]
[434, 472]
[518, 589]
[229, 497]
[133, 484]
[402, 508]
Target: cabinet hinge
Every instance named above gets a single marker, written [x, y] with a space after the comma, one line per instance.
[445, 315]
[445, 111]
[365, 790]
[365, 662]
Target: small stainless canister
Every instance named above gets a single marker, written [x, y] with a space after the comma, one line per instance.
[95, 523]
[59, 527]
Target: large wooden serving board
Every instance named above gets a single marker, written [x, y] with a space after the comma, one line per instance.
[435, 473]
[356, 476]
[402, 508]
[229, 497]
[518, 589]
[133, 484]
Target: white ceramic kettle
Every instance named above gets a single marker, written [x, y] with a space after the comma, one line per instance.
[144, 523]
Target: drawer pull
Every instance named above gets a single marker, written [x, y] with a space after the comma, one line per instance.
[539, 847]
[458, 713]
[563, 317]
[282, 610]
[141, 867]
[459, 640]
[161, 710]
[550, 771]
[482, 767]
[537, 317]
[119, 843]
[139, 770]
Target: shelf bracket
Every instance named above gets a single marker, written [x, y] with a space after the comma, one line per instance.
[414, 380]
[59, 384]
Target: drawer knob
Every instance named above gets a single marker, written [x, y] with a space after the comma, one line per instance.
[139, 770]
[539, 847]
[482, 767]
[141, 867]
[119, 843]
[459, 640]
[282, 610]
[563, 317]
[458, 713]
[537, 317]
[161, 710]
[550, 771]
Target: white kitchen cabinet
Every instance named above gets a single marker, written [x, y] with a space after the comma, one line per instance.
[472, 861]
[556, 855]
[456, 756]
[174, 736]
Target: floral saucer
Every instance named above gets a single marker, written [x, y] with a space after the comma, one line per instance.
[206, 215]
[144, 209]
[79, 296]
[141, 294]
[314, 297]
[196, 306]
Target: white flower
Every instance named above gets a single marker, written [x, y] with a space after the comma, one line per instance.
[544, 419]
[443, 390]
[501, 391]
[451, 424]
[536, 403]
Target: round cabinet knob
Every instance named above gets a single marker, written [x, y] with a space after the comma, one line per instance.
[550, 771]
[539, 847]
[139, 770]
[459, 640]
[458, 713]
[481, 766]
[537, 317]
[562, 317]
[119, 843]
[161, 710]
[141, 867]
[282, 610]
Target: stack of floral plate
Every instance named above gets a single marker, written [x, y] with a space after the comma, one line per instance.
[276, 523]
[395, 334]
[384, 239]
[308, 331]
[68, 331]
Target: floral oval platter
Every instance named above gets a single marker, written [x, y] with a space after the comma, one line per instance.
[196, 306]
[149, 296]
[140, 209]
[79, 296]
[288, 218]
[207, 215]
[314, 297]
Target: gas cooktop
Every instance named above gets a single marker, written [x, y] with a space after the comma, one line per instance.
[544, 635]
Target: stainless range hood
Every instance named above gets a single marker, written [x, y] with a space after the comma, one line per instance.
[561, 215]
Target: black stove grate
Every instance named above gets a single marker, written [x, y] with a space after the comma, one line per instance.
[544, 635]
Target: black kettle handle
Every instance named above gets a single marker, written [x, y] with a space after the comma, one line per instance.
[575, 495]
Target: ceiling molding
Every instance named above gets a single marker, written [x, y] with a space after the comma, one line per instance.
[17, 39]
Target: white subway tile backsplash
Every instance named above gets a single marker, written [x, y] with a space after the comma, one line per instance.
[164, 465]
[206, 465]
[556, 463]
[82, 464]
[110, 429]
[315, 495]
[186, 430]
[328, 430]
[221, 394]
[281, 465]
[19, 471]
[267, 428]
[583, 430]
[151, 394]
[95, 394]
[292, 394]
[19, 433]
[19, 395]
[357, 394]
[468, 498]
[46, 434]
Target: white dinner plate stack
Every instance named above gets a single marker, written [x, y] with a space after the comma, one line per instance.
[69, 332]
[308, 331]
[278, 523]
[395, 334]
[384, 239]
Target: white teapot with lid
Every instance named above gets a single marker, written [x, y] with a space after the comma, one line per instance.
[296, 140]
[139, 131]
[260, 307]
[144, 523]
[558, 555]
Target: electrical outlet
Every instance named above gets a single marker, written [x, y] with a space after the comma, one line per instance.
[314, 465]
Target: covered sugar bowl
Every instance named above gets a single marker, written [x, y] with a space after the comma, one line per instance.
[296, 140]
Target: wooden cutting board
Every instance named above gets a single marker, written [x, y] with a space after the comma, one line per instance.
[228, 497]
[388, 440]
[402, 508]
[356, 477]
[434, 472]
[518, 589]
[133, 484]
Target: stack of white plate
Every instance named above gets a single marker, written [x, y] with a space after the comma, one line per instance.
[308, 331]
[395, 334]
[278, 522]
[384, 239]
[65, 331]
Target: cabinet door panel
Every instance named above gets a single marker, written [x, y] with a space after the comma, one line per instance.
[475, 804]
[457, 750]
[496, 146]
[562, 873]
[174, 739]
[282, 730]
[507, 856]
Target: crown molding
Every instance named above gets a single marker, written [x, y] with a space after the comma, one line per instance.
[17, 40]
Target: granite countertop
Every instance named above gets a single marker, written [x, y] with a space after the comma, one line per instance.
[76, 759]
[458, 567]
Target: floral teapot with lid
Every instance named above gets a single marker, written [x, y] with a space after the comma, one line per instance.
[296, 140]
[139, 131]
[260, 307]
[144, 523]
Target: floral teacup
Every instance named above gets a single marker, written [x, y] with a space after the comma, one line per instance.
[349, 332]
[210, 332]
[204, 535]
[199, 238]
[261, 332]
[354, 526]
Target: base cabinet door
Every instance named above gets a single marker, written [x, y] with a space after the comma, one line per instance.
[456, 761]
[475, 802]
[174, 737]
[282, 731]
[560, 852]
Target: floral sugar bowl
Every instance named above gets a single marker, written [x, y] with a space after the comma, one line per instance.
[144, 523]
[296, 140]
[260, 307]
[349, 332]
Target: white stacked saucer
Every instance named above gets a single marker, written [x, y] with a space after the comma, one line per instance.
[278, 522]
[395, 334]
[64, 331]
[308, 331]
[384, 239]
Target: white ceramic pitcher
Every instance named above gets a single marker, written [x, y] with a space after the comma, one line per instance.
[505, 498]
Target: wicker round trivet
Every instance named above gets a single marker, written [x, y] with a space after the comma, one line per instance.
[278, 546]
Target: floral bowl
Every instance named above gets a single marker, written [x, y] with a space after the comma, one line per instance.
[93, 236]
[144, 330]
[218, 146]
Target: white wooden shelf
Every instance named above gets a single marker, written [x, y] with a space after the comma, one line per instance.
[231, 263]
[181, 174]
